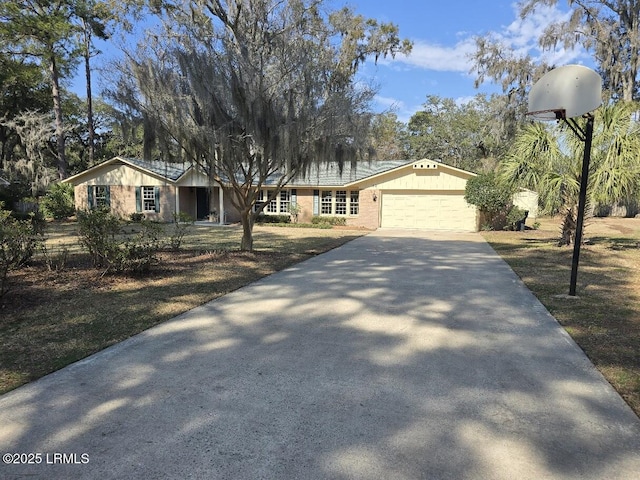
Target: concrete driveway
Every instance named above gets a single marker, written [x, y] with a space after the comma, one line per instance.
[401, 355]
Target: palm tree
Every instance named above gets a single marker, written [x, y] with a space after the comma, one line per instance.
[548, 159]
[616, 155]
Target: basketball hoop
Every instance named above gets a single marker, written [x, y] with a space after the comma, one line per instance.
[545, 115]
[566, 93]
[572, 89]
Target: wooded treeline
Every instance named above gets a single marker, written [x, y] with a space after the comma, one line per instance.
[245, 88]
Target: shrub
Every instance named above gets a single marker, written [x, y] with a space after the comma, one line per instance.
[136, 217]
[262, 218]
[317, 219]
[295, 209]
[54, 259]
[139, 254]
[18, 241]
[514, 217]
[181, 224]
[490, 196]
[99, 233]
[97, 230]
[58, 202]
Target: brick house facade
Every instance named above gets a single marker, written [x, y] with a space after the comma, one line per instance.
[398, 194]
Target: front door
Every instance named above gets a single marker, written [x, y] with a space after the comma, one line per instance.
[202, 199]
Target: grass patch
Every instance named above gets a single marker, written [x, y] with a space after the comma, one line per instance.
[50, 319]
[604, 319]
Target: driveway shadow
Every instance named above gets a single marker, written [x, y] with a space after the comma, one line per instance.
[398, 355]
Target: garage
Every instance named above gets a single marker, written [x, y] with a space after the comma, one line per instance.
[433, 210]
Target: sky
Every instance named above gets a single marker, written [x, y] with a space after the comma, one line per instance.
[443, 35]
[443, 32]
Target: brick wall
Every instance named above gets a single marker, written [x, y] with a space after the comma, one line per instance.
[123, 201]
[368, 214]
[305, 200]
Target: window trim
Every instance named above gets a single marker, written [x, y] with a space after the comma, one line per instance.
[339, 201]
[97, 201]
[148, 198]
[275, 205]
[140, 199]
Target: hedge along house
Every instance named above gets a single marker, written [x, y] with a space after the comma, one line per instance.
[397, 194]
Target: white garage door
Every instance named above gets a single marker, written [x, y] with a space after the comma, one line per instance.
[427, 211]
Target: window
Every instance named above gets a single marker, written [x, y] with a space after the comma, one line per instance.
[275, 204]
[259, 200]
[272, 206]
[326, 205]
[98, 196]
[148, 199]
[101, 196]
[338, 202]
[354, 202]
[341, 202]
[285, 199]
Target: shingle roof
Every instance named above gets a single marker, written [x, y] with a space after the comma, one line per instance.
[330, 174]
[319, 175]
[327, 174]
[171, 171]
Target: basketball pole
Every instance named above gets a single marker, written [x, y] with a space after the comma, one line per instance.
[582, 200]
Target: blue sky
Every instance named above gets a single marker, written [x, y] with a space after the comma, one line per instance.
[443, 33]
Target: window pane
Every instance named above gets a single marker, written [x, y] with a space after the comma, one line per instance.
[259, 201]
[354, 202]
[341, 202]
[272, 206]
[325, 202]
[148, 199]
[284, 201]
[100, 196]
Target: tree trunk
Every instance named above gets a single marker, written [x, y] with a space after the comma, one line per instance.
[57, 108]
[568, 231]
[246, 244]
[87, 69]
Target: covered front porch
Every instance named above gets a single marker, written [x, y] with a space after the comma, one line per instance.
[202, 203]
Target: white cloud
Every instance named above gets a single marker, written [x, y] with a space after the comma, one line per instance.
[520, 37]
[464, 100]
[526, 32]
[438, 57]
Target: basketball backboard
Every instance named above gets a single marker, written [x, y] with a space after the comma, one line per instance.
[565, 92]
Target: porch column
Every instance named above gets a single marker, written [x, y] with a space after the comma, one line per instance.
[177, 200]
[221, 205]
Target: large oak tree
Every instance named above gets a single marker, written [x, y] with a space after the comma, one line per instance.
[259, 90]
[468, 135]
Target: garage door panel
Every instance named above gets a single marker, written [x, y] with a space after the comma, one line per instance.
[428, 211]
